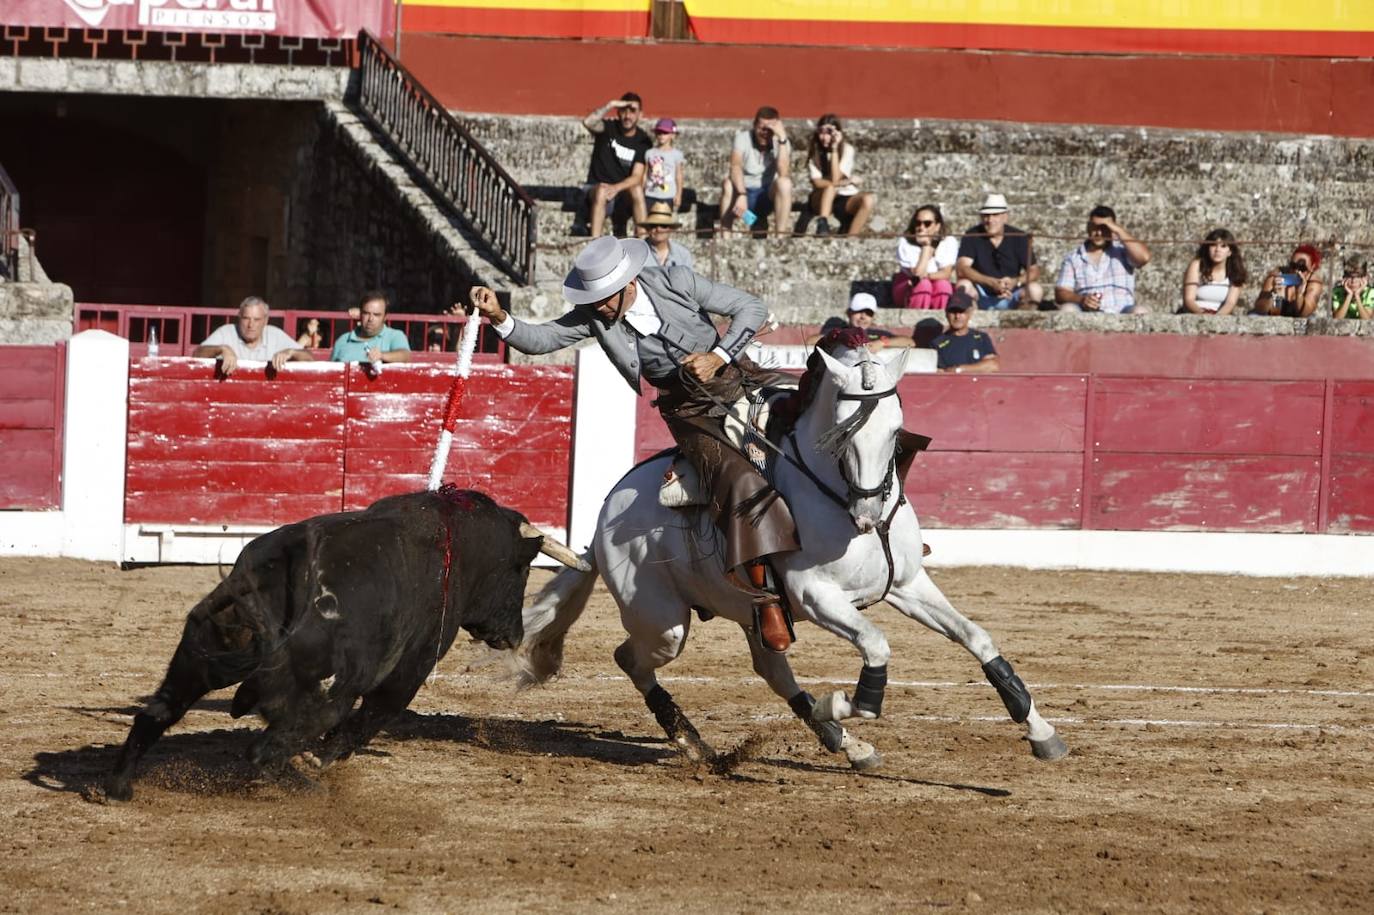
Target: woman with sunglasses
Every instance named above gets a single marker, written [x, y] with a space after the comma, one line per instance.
[830, 161]
[1292, 290]
[1212, 282]
[925, 261]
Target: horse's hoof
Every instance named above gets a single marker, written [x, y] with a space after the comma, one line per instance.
[833, 706]
[1050, 749]
[862, 756]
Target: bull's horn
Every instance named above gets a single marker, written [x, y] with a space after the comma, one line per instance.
[555, 550]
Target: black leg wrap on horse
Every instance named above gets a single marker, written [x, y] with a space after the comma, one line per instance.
[669, 716]
[830, 733]
[1009, 686]
[868, 694]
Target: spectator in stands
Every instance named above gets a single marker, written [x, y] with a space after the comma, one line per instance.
[436, 341]
[1099, 275]
[665, 171]
[760, 178]
[926, 257]
[311, 338]
[926, 332]
[996, 261]
[862, 311]
[372, 341]
[1213, 278]
[1292, 290]
[1352, 297]
[250, 337]
[962, 349]
[615, 178]
[830, 162]
[662, 248]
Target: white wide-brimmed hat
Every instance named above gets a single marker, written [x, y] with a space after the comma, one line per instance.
[603, 268]
[994, 203]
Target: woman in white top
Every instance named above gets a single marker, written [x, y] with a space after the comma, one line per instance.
[1211, 284]
[925, 261]
[830, 160]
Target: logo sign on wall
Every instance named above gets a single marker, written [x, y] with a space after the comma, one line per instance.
[295, 18]
[208, 15]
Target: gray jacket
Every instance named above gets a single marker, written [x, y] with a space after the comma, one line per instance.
[684, 301]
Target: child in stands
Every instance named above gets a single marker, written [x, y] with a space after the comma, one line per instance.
[663, 177]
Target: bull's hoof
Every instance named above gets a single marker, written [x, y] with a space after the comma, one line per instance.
[1049, 749]
[118, 789]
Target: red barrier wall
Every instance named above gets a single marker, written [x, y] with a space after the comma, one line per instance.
[700, 80]
[32, 392]
[1133, 452]
[323, 438]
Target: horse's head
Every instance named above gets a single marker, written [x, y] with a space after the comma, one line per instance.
[860, 391]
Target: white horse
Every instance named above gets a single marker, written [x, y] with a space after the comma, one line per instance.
[662, 563]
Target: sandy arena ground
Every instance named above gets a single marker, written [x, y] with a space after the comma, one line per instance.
[1221, 731]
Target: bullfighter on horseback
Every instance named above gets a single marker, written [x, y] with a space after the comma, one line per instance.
[656, 324]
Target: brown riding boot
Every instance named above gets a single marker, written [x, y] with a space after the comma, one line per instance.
[773, 629]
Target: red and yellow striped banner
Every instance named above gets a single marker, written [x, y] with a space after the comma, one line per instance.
[1324, 28]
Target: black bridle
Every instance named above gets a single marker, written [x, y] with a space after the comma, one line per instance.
[884, 489]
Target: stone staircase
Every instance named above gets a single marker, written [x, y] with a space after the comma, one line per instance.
[34, 309]
[1168, 187]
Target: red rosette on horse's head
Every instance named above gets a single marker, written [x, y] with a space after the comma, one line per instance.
[844, 338]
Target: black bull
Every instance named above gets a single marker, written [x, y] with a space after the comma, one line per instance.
[316, 614]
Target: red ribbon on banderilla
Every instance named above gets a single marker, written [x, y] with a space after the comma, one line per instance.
[466, 345]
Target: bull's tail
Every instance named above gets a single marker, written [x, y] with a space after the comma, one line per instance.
[547, 621]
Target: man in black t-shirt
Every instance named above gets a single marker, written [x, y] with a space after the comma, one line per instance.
[962, 349]
[615, 177]
[996, 263]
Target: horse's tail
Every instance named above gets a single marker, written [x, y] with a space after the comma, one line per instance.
[557, 606]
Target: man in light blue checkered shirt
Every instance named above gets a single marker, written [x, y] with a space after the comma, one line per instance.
[1099, 275]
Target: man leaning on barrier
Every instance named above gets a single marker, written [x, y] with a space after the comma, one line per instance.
[250, 337]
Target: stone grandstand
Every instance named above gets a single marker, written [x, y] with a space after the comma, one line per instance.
[1169, 187]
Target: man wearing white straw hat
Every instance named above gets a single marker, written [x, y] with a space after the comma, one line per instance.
[996, 262]
[655, 323]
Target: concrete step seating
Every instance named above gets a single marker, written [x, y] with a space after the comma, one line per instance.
[1168, 187]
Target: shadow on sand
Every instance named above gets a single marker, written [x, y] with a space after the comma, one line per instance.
[215, 761]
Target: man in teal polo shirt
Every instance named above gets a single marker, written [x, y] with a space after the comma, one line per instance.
[373, 341]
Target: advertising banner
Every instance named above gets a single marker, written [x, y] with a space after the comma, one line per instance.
[293, 18]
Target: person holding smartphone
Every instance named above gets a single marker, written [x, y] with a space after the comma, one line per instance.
[1292, 290]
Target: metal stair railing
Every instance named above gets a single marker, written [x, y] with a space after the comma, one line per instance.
[9, 227]
[470, 180]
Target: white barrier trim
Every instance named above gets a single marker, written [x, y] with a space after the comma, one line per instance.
[1265, 555]
[603, 439]
[95, 445]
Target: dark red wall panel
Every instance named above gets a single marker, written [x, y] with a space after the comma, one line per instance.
[1207, 416]
[1152, 491]
[1352, 421]
[1351, 479]
[997, 489]
[247, 449]
[513, 440]
[32, 386]
[996, 412]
